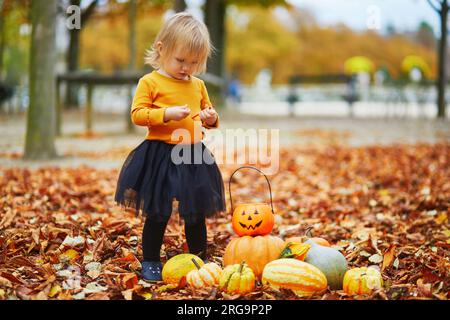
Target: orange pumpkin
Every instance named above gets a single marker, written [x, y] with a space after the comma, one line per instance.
[362, 280]
[255, 251]
[302, 278]
[252, 219]
[206, 276]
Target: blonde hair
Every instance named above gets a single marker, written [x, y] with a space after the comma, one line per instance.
[182, 29]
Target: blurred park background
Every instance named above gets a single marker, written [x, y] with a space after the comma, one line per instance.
[375, 69]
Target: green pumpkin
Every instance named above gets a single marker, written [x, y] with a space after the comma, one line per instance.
[330, 261]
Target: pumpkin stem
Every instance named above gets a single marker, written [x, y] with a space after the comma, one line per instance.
[241, 267]
[308, 232]
[196, 264]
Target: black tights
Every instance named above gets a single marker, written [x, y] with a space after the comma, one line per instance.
[153, 235]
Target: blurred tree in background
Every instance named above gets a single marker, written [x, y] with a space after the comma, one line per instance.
[179, 5]
[442, 8]
[106, 35]
[215, 12]
[257, 40]
[41, 116]
[15, 33]
[73, 52]
[425, 35]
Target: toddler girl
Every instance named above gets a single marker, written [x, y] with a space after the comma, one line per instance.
[172, 162]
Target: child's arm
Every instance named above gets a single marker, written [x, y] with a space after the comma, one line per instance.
[143, 112]
[205, 104]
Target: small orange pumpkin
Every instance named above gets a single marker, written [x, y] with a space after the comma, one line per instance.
[362, 280]
[256, 251]
[206, 276]
[252, 219]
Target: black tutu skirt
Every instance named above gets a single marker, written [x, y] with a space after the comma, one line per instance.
[155, 173]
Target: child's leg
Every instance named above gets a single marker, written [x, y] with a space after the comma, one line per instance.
[196, 238]
[152, 239]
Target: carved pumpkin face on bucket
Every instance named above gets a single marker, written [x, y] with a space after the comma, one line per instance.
[252, 219]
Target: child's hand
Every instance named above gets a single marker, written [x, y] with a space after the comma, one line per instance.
[176, 113]
[209, 115]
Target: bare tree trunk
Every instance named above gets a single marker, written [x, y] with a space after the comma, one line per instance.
[72, 65]
[179, 5]
[73, 54]
[442, 57]
[132, 16]
[215, 21]
[41, 121]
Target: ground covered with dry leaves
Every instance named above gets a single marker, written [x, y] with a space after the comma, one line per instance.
[62, 236]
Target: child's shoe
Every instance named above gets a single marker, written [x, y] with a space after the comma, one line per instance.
[151, 271]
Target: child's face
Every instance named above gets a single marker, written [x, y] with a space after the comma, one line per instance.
[180, 64]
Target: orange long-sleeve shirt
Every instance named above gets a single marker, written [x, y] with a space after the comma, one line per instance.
[155, 92]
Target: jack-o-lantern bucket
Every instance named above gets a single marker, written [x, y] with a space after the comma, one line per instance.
[252, 219]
